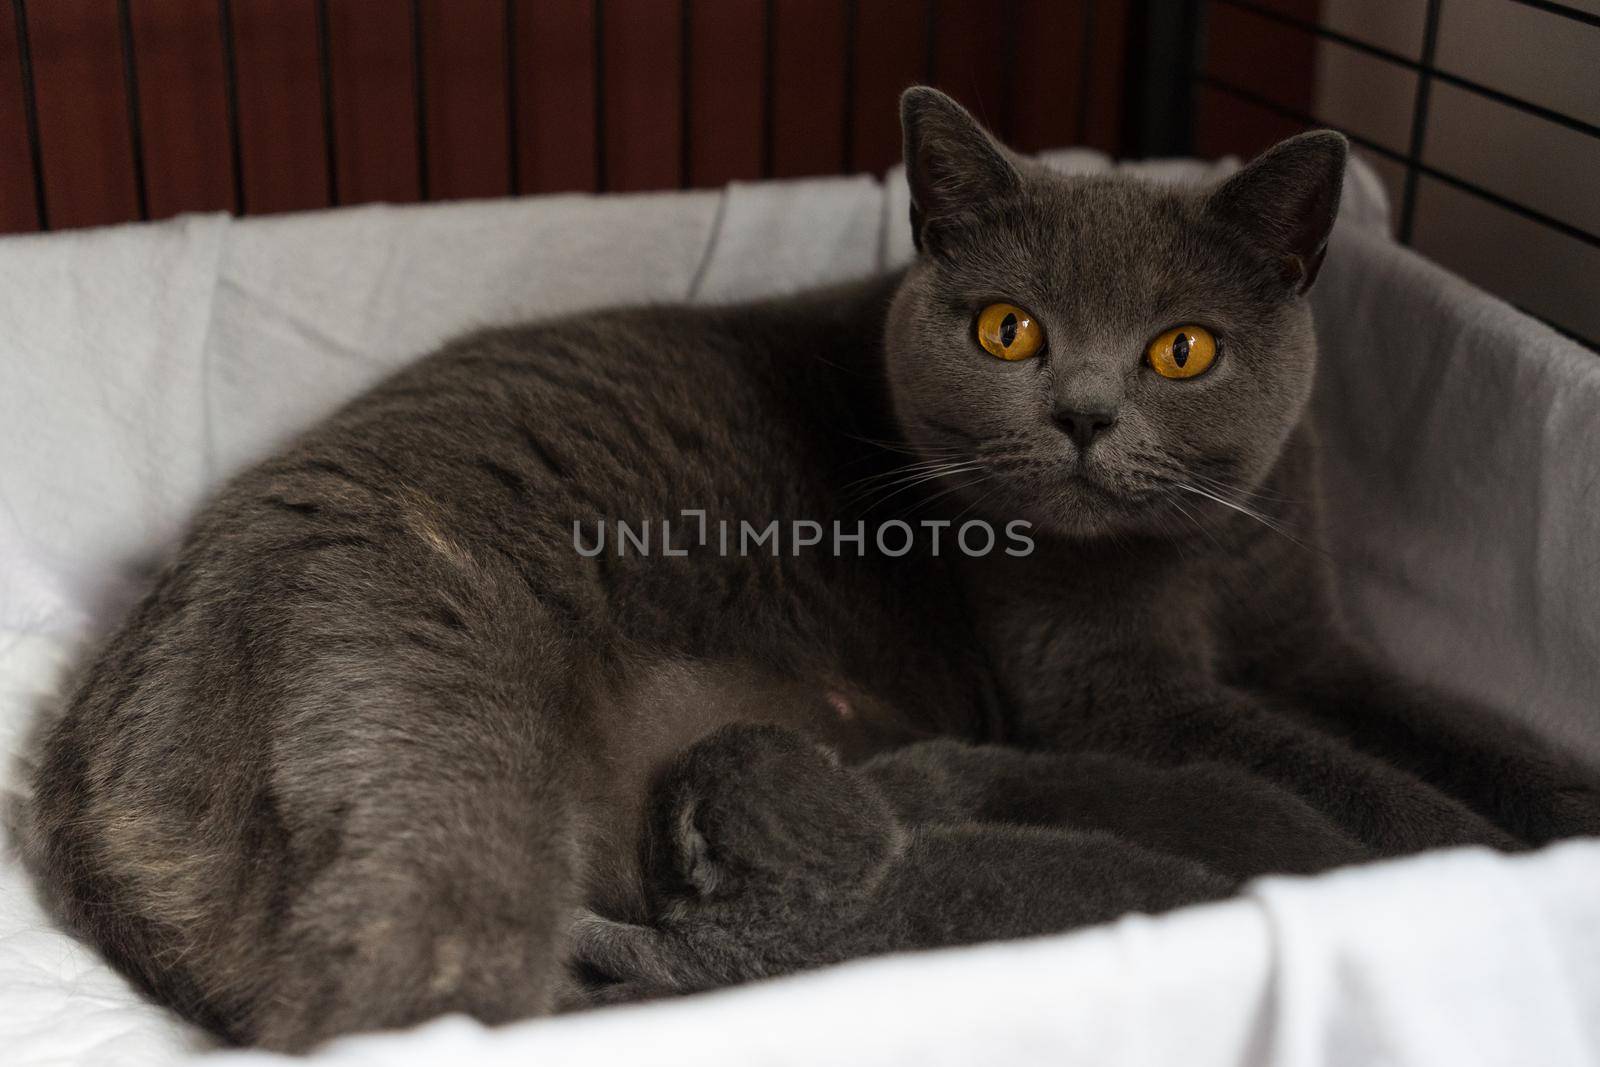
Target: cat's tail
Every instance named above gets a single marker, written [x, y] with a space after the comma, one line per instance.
[389, 866]
[459, 898]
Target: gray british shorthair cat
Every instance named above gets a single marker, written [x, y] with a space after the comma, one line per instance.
[764, 855]
[379, 731]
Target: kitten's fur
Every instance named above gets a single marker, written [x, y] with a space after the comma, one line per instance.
[766, 856]
[379, 730]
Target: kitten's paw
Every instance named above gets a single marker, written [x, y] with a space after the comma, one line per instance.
[616, 951]
[626, 993]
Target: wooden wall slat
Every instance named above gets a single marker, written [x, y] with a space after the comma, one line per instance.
[280, 106]
[808, 87]
[1104, 111]
[892, 53]
[1226, 125]
[464, 58]
[1272, 59]
[642, 86]
[815, 94]
[182, 106]
[1261, 55]
[1046, 74]
[556, 95]
[83, 114]
[727, 71]
[18, 211]
[375, 133]
[970, 58]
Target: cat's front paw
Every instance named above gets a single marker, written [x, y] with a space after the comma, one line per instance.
[623, 993]
[1545, 798]
[1575, 811]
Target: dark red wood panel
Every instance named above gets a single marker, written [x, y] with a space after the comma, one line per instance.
[1266, 57]
[280, 106]
[1047, 73]
[971, 58]
[891, 54]
[1226, 125]
[83, 114]
[643, 81]
[1104, 109]
[464, 57]
[374, 117]
[556, 95]
[1305, 9]
[727, 71]
[18, 211]
[183, 107]
[786, 87]
[808, 87]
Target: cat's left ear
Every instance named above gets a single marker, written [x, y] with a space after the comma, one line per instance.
[955, 169]
[1286, 200]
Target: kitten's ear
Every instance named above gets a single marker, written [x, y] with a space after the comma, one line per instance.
[953, 166]
[1286, 201]
[690, 850]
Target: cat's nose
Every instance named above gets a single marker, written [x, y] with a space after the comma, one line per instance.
[1085, 425]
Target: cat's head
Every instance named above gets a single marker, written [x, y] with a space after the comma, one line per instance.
[758, 815]
[1078, 346]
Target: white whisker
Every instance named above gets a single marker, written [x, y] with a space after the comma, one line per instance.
[894, 489]
[1244, 510]
[909, 468]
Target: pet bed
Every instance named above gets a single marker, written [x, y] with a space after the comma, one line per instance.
[141, 365]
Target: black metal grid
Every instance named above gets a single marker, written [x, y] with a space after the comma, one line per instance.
[1427, 73]
[30, 107]
[130, 88]
[230, 76]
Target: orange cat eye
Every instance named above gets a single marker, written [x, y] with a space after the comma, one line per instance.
[1008, 332]
[1185, 352]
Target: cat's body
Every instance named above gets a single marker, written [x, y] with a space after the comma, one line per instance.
[354, 759]
[381, 728]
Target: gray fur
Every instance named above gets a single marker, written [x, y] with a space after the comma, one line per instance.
[767, 856]
[772, 858]
[378, 731]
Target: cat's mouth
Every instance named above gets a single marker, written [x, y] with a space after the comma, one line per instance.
[1079, 494]
[1094, 486]
[1092, 499]
[1096, 479]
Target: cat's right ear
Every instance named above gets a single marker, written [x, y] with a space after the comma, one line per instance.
[955, 169]
[1286, 201]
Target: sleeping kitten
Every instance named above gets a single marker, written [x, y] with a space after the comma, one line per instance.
[380, 729]
[767, 857]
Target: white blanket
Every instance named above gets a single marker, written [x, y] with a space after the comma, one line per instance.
[141, 365]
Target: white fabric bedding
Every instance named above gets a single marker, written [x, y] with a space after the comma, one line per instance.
[141, 365]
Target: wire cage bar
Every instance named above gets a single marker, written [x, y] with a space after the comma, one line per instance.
[1188, 54]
